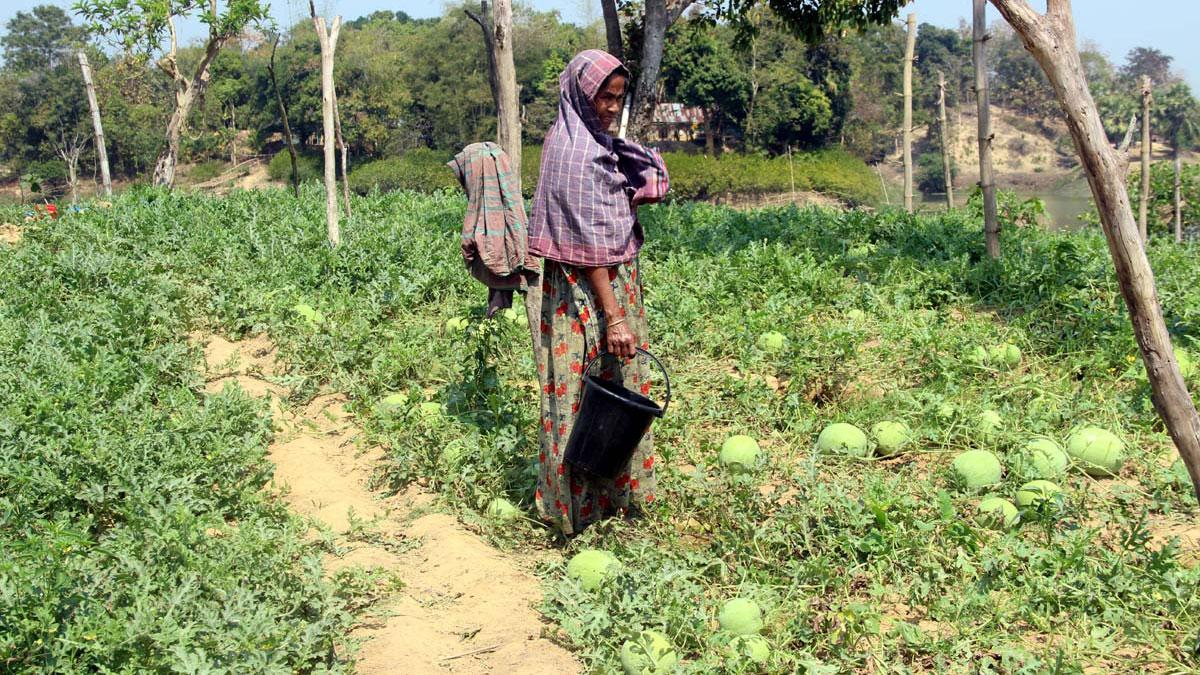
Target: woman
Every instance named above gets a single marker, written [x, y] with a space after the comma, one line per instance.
[584, 224]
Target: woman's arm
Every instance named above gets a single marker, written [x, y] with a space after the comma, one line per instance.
[619, 338]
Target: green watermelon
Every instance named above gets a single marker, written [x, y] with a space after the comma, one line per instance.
[739, 454]
[1097, 451]
[591, 567]
[753, 648]
[977, 468]
[503, 510]
[843, 438]
[988, 424]
[1037, 492]
[650, 653]
[1043, 458]
[998, 513]
[772, 341]
[890, 437]
[740, 617]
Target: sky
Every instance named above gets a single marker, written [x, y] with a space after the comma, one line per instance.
[1168, 25]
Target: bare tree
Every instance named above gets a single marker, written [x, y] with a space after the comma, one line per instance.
[1050, 38]
[945, 129]
[328, 43]
[659, 16]
[97, 126]
[69, 146]
[283, 113]
[502, 76]
[1144, 202]
[987, 180]
[909, 46]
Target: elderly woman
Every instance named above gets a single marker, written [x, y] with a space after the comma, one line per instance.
[584, 224]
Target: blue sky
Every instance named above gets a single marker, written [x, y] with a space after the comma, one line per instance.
[1169, 25]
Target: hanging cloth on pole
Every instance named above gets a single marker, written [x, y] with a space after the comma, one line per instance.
[495, 234]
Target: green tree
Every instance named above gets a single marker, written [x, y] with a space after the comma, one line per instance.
[700, 69]
[40, 40]
[144, 25]
[1150, 62]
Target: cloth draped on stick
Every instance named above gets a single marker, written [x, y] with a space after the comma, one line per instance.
[495, 234]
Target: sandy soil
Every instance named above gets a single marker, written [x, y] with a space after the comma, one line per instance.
[10, 234]
[462, 607]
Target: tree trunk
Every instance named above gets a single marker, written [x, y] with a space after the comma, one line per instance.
[1178, 196]
[101, 150]
[187, 93]
[341, 141]
[489, 48]
[328, 43]
[654, 35]
[1051, 40]
[508, 105]
[287, 127]
[1128, 140]
[612, 28]
[987, 181]
[909, 45]
[946, 173]
[1144, 201]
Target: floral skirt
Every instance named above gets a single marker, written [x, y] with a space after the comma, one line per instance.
[572, 331]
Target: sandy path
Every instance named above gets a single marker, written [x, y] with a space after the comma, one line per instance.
[460, 597]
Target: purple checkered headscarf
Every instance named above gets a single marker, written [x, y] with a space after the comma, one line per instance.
[584, 211]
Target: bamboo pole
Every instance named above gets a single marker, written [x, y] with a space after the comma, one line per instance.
[97, 126]
[945, 129]
[909, 47]
[1178, 196]
[987, 180]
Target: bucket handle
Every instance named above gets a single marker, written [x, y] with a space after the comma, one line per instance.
[666, 378]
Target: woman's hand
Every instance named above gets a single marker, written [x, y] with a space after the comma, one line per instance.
[621, 341]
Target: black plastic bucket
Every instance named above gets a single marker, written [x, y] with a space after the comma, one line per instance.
[611, 422]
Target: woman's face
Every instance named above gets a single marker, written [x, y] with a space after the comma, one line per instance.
[608, 100]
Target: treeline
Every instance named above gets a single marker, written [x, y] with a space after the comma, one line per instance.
[406, 84]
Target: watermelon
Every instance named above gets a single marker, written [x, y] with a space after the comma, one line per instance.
[390, 403]
[430, 409]
[772, 341]
[1005, 357]
[988, 423]
[890, 437]
[314, 317]
[1037, 492]
[843, 438]
[753, 648]
[739, 454]
[740, 617]
[1097, 451]
[998, 513]
[856, 315]
[590, 567]
[502, 509]
[457, 324]
[650, 653]
[1043, 458]
[977, 468]
[978, 355]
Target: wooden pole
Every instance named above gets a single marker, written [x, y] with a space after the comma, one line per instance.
[987, 181]
[1144, 201]
[909, 47]
[791, 173]
[328, 43]
[97, 126]
[508, 105]
[945, 128]
[341, 141]
[287, 127]
[1050, 38]
[1178, 196]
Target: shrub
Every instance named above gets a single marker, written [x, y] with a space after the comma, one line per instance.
[420, 170]
[206, 170]
[308, 165]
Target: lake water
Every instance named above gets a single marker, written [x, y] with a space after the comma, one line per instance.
[1065, 203]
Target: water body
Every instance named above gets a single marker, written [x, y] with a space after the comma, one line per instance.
[1067, 202]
